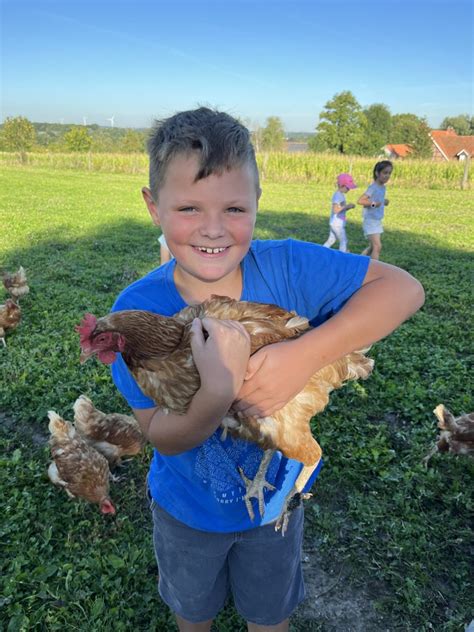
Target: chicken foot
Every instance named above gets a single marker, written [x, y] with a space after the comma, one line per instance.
[255, 488]
[295, 497]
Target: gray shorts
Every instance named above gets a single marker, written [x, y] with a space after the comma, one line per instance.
[372, 227]
[199, 569]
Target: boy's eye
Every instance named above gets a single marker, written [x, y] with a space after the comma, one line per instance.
[235, 209]
[187, 209]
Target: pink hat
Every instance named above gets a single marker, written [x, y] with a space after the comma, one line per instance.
[346, 180]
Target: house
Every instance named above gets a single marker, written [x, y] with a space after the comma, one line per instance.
[397, 151]
[447, 145]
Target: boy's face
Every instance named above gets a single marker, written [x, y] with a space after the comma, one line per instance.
[208, 224]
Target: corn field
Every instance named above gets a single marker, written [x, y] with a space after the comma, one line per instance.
[274, 167]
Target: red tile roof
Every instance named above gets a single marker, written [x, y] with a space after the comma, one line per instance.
[450, 144]
[400, 150]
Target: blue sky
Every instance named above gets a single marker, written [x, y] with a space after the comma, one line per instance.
[64, 60]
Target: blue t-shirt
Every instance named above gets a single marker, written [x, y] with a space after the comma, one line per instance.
[202, 487]
[340, 199]
[376, 193]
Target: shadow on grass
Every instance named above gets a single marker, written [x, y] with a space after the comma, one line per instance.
[423, 362]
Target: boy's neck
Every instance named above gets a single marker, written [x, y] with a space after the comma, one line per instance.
[194, 291]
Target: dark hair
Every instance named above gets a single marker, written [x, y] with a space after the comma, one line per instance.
[220, 140]
[380, 166]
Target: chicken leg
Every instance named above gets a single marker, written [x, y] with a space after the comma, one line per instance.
[295, 497]
[255, 488]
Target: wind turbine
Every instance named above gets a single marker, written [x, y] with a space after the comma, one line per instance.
[111, 119]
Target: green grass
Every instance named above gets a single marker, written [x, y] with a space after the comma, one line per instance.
[401, 530]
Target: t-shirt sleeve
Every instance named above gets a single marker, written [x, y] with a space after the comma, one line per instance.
[325, 279]
[128, 387]
[338, 198]
[370, 191]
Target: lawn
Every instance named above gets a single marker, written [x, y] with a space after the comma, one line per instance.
[387, 540]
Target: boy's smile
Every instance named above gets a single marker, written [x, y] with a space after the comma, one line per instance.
[208, 225]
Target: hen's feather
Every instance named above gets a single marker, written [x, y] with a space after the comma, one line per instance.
[15, 283]
[77, 467]
[114, 435]
[157, 351]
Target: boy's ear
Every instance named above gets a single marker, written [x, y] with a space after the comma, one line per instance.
[151, 205]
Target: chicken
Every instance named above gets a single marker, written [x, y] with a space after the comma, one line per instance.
[10, 316]
[157, 351]
[15, 283]
[77, 467]
[457, 435]
[113, 435]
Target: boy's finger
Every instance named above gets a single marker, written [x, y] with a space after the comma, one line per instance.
[197, 339]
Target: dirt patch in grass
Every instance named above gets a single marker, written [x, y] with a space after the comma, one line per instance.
[333, 603]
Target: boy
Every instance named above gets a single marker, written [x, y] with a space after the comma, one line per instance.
[204, 192]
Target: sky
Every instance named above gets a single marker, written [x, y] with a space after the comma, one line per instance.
[77, 61]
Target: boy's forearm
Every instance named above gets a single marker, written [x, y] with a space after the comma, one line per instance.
[371, 313]
[173, 433]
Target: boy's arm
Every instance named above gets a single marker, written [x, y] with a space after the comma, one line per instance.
[221, 360]
[276, 373]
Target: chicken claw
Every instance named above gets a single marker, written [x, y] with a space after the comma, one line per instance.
[256, 487]
[293, 501]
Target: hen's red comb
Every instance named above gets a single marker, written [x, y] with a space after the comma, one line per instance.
[87, 326]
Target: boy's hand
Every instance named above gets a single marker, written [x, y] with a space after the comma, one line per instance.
[350, 206]
[222, 358]
[275, 375]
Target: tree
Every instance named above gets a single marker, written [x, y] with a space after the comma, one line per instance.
[273, 135]
[133, 142]
[414, 131]
[19, 135]
[378, 129]
[462, 124]
[78, 139]
[342, 125]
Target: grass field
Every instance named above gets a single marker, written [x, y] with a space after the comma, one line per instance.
[387, 541]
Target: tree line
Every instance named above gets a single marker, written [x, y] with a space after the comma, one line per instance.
[344, 127]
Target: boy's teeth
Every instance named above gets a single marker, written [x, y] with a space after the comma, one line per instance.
[211, 251]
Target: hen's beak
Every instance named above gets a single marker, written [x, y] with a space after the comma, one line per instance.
[85, 355]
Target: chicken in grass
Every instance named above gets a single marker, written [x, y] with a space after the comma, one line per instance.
[15, 283]
[77, 467]
[10, 317]
[457, 434]
[114, 435]
[157, 351]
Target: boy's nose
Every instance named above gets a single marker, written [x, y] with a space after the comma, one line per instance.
[212, 227]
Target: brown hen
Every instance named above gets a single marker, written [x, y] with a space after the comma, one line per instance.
[457, 434]
[10, 316]
[77, 467]
[114, 435]
[15, 283]
[157, 351]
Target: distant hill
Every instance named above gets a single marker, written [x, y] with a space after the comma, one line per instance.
[105, 138]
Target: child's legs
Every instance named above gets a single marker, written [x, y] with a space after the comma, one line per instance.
[193, 570]
[375, 245]
[341, 235]
[331, 239]
[266, 576]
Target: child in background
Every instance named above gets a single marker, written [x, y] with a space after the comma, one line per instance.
[165, 254]
[204, 192]
[374, 203]
[337, 221]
